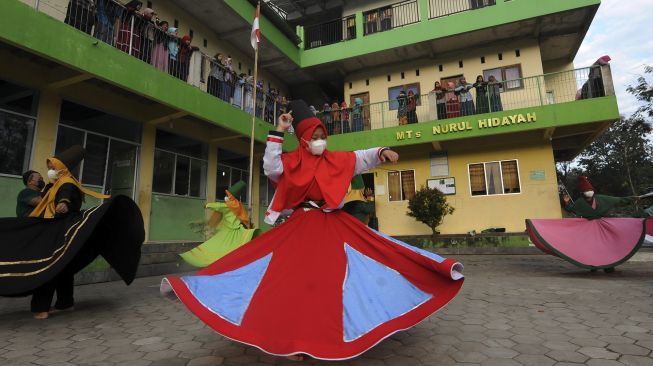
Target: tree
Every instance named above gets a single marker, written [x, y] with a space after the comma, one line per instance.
[429, 206]
[620, 161]
[643, 91]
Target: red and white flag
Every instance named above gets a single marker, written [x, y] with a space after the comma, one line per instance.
[255, 36]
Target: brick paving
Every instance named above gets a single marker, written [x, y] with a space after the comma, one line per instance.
[529, 310]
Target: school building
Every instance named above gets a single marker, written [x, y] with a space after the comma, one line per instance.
[86, 72]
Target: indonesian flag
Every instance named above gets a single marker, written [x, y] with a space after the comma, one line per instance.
[255, 36]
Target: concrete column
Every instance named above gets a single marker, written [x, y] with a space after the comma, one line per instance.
[146, 174]
[47, 122]
[360, 25]
[423, 10]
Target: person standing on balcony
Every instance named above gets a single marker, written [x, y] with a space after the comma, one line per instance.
[440, 100]
[81, 15]
[494, 89]
[148, 29]
[173, 52]
[344, 117]
[130, 41]
[107, 12]
[465, 97]
[411, 107]
[248, 87]
[260, 99]
[326, 118]
[335, 116]
[357, 115]
[216, 76]
[453, 104]
[482, 102]
[160, 49]
[239, 91]
[228, 85]
[30, 196]
[402, 108]
[322, 283]
[186, 51]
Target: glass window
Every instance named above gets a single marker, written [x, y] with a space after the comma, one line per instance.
[501, 177]
[180, 145]
[95, 160]
[182, 175]
[512, 74]
[401, 185]
[493, 178]
[222, 181]
[439, 164]
[92, 120]
[17, 98]
[164, 170]
[198, 178]
[16, 136]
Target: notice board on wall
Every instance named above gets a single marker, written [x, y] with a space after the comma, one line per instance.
[445, 185]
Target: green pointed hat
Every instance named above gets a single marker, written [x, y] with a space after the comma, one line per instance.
[357, 182]
[238, 188]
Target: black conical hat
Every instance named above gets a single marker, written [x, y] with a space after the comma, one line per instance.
[71, 157]
[300, 113]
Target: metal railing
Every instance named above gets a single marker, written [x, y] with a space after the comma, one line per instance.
[440, 8]
[472, 100]
[330, 32]
[391, 16]
[154, 42]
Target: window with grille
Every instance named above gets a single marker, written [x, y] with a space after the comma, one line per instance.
[510, 74]
[401, 185]
[492, 178]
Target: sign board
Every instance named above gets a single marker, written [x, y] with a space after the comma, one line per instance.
[445, 185]
[536, 175]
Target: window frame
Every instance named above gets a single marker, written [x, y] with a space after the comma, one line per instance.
[30, 158]
[106, 158]
[503, 82]
[174, 176]
[387, 177]
[220, 197]
[469, 178]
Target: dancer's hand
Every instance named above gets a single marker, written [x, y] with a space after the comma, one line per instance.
[567, 199]
[284, 122]
[389, 155]
[61, 208]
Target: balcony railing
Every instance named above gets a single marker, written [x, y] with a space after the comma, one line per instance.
[440, 8]
[383, 19]
[391, 16]
[331, 32]
[483, 98]
[154, 42]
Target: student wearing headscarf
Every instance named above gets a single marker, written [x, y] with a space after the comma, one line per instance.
[440, 100]
[482, 102]
[412, 107]
[173, 52]
[129, 39]
[59, 239]
[148, 30]
[160, 56]
[364, 285]
[465, 97]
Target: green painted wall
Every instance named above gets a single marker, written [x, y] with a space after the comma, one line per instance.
[61, 43]
[171, 215]
[9, 189]
[563, 114]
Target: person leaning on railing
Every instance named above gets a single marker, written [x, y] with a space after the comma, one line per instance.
[160, 54]
[441, 108]
[494, 89]
[148, 28]
[107, 13]
[81, 15]
[466, 99]
[129, 41]
[482, 103]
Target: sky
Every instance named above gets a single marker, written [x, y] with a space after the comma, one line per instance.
[622, 30]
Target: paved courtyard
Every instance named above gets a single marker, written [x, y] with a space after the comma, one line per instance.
[513, 310]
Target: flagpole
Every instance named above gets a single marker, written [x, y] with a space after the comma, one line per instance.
[250, 187]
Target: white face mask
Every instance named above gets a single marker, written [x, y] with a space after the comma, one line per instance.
[317, 147]
[589, 194]
[52, 174]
